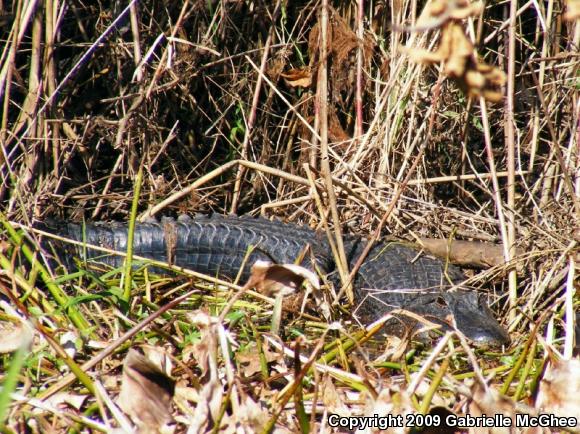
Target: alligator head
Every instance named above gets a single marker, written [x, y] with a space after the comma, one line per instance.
[463, 310]
[474, 319]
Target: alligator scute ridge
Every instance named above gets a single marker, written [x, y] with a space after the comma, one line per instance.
[218, 245]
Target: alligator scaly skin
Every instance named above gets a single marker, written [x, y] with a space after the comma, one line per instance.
[392, 276]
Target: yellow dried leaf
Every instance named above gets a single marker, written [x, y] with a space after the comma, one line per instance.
[460, 62]
[250, 359]
[438, 12]
[420, 55]
[459, 48]
[14, 335]
[474, 79]
[489, 402]
[492, 96]
[298, 77]
[283, 279]
[146, 392]
[558, 393]
[462, 9]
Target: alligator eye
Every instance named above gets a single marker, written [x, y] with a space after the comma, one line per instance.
[441, 301]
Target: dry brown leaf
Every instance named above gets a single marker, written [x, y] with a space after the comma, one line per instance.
[460, 62]
[159, 357]
[249, 359]
[336, 133]
[249, 362]
[489, 402]
[397, 404]
[275, 68]
[332, 400]
[559, 389]
[12, 336]
[572, 10]
[208, 407]
[284, 279]
[200, 350]
[146, 392]
[298, 77]
[62, 400]
[438, 12]
[343, 43]
[251, 416]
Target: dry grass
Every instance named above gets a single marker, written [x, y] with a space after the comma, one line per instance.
[370, 120]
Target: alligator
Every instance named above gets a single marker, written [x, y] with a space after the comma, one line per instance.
[394, 275]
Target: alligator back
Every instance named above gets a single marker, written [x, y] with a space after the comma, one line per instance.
[399, 276]
[210, 245]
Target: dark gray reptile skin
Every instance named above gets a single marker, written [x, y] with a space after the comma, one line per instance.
[392, 276]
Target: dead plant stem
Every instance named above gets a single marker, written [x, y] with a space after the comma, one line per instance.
[400, 187]
[254, 109]
[322, 102]
[73, 70]
[291, 107]
[358, 129]
[511, 161]
[136, 42]
[161, 65]
[496, 192]
[322, 214]
[566, 173]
